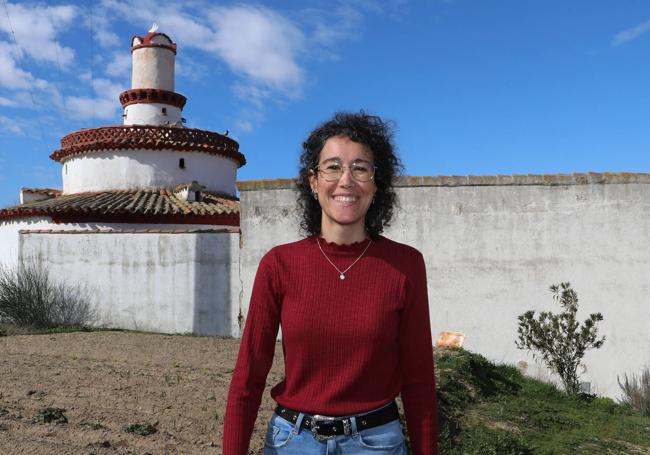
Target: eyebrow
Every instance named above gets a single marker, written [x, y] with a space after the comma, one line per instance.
[338, 160]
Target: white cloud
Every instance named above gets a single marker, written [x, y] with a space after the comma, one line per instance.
[247, 120]
[330, 26]
[8, 102]
[10, 125]
[13, 77]
[171, 18]
[192, 69]
[119, 65]
[630, 34]
[257, 43]
[261, 45]
[251, 93]
[104, 106]
[36, 28]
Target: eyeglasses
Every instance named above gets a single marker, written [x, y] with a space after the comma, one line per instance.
[361, 171]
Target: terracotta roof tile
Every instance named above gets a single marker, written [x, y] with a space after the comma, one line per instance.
[51, 192]
[146, 202]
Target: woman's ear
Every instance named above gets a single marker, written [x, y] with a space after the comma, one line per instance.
[313, 181]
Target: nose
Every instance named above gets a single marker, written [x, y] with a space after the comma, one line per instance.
[346, 179]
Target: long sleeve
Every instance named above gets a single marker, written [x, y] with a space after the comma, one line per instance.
[416, 359]
[254, 360]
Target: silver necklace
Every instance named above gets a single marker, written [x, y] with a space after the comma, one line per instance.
[342, 272]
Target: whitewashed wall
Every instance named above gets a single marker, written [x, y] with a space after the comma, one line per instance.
[10, 239]
[167, 282]
[151, 114]
[153, 67]
[494, 245]
[116, 170]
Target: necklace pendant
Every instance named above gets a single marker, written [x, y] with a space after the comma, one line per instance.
[341, 276]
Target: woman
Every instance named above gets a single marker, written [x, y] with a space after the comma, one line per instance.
[353, 309]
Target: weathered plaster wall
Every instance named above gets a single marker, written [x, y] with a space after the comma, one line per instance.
[114, 170]
[151, 114]
[494, 245]
[153, 67]
[162, 282]
[9, 237]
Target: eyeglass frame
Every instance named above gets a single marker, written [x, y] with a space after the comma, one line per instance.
[349, 168]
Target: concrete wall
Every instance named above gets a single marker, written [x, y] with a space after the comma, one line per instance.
[176, 281]
[494, 245]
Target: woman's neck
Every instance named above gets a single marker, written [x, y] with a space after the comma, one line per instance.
[343, 235]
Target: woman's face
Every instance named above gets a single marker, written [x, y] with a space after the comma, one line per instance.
[344, 202]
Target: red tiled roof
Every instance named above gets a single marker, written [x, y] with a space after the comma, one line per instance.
[148, 137]
[145, 205]
[51, 192]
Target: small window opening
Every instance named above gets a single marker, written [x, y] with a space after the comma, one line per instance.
[66, 169]
[197, 196]
[181, 163]
[164, 111]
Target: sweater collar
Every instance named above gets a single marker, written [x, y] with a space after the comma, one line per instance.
[333, 248]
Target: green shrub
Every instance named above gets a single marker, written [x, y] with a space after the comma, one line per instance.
[143, 429]
[47, 415]
[559, 339]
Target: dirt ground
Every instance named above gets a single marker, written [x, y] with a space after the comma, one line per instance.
[106, 381]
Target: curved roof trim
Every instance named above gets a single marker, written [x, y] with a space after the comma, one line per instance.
[148, 137]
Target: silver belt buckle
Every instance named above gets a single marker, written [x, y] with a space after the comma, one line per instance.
[314, 427]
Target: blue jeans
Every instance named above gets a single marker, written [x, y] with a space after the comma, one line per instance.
[286, 438]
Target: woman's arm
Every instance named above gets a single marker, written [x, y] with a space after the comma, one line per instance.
[416, 359]
[254, 360]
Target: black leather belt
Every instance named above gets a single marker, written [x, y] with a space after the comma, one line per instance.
[323, 427]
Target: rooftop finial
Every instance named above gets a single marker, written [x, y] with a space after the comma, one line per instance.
[154, 28]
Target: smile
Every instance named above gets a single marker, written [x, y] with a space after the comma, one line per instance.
[346, 198]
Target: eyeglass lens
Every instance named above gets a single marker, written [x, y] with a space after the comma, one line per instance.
[360, 171]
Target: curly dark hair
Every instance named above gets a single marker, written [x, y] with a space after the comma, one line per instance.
[374, 133]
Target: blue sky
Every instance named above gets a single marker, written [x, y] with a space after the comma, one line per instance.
[475, 87]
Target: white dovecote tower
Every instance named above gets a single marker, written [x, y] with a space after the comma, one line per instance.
[153, 148]
[152, 99]
[153, 207]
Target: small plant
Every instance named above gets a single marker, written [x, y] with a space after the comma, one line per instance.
[143, 429]
[93, 425]
[47, 415]
[30, 298]
[559, 339]
[636, 391]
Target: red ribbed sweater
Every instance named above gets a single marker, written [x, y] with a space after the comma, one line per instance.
[349, 345]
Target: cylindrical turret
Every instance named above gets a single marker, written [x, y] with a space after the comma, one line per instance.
[151, 99]
[153, 57]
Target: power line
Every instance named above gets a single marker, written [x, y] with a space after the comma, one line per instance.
[58, 68]
[15, 42]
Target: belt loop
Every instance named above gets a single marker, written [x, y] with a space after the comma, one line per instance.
[353, 422]
[296, 427]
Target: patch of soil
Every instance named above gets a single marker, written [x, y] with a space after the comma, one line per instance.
[109, 381]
